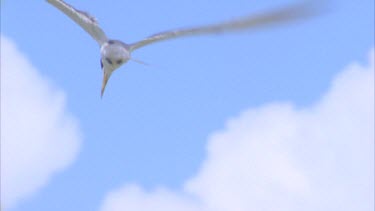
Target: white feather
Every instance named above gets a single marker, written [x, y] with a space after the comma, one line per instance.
[87, 22]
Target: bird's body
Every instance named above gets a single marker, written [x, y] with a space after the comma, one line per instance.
[115, 53]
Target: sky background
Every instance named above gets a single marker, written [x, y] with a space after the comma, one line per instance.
[222, 122]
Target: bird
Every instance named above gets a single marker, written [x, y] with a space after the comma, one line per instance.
[114, 53]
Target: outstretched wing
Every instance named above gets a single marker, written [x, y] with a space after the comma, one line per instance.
[87, 22]
[295, 12]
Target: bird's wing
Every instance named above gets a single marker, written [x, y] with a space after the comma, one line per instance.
[295, 12]
[87, 22]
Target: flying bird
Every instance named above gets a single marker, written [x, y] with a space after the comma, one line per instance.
[115, 53]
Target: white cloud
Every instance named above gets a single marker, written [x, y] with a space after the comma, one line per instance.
[278, 157]
[38, 136]
[132, 197]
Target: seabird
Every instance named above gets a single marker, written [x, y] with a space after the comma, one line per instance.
[115, 53]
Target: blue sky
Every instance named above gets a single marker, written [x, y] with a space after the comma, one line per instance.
[153, 126]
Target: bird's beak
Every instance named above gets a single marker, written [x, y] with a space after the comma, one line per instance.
[105, 80]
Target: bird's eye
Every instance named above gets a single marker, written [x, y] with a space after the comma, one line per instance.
[119, 61]
[108, 60]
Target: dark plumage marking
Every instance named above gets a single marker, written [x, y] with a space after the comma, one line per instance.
[101, 63]
[119, 61]
[108, 60]
[111, 42]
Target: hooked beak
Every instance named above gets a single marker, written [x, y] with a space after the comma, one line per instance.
[105, 80]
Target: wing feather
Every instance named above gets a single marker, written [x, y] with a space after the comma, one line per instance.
[86, 21]
[284, 15]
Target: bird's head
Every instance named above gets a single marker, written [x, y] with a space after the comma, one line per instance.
[108, 68]
[113, 55]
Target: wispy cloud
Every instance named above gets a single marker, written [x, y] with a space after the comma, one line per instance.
[278, 157]
[38, 136]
